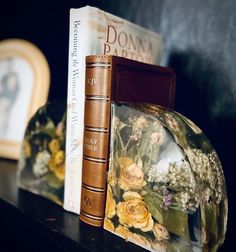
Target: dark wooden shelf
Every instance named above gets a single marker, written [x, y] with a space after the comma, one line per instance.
[29, 223]
[32, 223]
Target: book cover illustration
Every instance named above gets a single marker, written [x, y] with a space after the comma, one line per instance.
[41, 168]
[166, 188]
[93, 31]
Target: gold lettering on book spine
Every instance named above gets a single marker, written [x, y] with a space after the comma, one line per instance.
[96, 138]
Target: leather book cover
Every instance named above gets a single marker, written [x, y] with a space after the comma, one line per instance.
[113, 78]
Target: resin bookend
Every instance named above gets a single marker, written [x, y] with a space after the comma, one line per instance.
[41, 166]
[166, 188]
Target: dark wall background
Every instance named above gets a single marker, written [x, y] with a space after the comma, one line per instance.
[199, 43]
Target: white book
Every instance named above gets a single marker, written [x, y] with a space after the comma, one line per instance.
[93, 31]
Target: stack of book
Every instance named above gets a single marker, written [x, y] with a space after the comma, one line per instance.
[110, 60]
[95, 32]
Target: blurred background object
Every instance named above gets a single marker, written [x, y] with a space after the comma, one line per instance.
[24, 85]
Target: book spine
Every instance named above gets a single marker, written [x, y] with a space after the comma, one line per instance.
[75, 109]
[96, 139]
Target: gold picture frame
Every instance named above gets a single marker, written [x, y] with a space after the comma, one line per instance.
[24, 87]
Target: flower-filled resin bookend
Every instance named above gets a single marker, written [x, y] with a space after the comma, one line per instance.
[166, 188]
[41, 166]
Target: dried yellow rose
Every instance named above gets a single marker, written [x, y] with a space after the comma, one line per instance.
[60, 172]
[108, 225]
[134, 213]
[60, 157]
[57, 164]
[131, 195]
[111, 178]
[54, 146]
[131, 177]
[122, 231]
[124, 162]
[160, 232]
[110, 204]
[26, 148]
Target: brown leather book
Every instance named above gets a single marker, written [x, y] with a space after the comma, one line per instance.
[108, 79]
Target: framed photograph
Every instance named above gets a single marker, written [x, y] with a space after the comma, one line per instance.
[24, 86]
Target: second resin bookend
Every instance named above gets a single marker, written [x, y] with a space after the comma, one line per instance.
[41, 167]
[166, 188]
